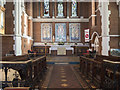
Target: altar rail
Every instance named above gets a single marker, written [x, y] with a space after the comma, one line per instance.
[31, 69]
[104, 71]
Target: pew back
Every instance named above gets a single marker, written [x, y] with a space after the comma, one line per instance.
[111, 58]
[15, 58]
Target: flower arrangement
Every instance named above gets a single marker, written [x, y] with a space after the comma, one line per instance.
[45, 43]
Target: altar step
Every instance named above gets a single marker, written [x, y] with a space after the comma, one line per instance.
[63, 60]
[63, 63]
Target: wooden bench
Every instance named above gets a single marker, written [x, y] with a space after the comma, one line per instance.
[98, 70]
[30, 70]
[15, 58]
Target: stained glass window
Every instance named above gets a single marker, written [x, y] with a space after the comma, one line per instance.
[60, 8]
[74, 8]
[46, 32]
[46, 7]
[74, 32]
[60, 32]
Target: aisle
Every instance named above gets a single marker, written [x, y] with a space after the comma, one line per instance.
[66, 76]
[63, 77]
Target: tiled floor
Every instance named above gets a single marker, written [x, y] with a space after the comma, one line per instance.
[62, 76]
[65, 75]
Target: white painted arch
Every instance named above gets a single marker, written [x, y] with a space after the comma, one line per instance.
[94, 34]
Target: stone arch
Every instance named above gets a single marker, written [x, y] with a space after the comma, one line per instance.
[95, 42]
[93, 36]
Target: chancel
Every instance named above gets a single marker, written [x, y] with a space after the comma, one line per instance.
[51, 44]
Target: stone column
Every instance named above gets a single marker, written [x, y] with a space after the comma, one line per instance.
[18, 24]
[19, 17]
[105, 28]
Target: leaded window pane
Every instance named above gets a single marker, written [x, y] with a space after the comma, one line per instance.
[74, 8]
[60, 9]
[46, 7]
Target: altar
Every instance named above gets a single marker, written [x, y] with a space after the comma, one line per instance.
[61, 50]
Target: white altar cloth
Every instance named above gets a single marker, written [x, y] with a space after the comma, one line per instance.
[55, 47]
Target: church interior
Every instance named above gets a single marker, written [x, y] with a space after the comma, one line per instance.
[59, 44]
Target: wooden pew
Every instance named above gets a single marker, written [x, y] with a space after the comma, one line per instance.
[22, 64]
[30, 69]
[14, 58]
[89, 68]
[98, 70]
[111, 58]
[39, 66]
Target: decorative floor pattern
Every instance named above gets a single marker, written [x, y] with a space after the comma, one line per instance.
[63, 74]
[66, 76]
[63, 77]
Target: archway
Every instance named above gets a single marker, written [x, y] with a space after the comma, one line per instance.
[96, 44]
